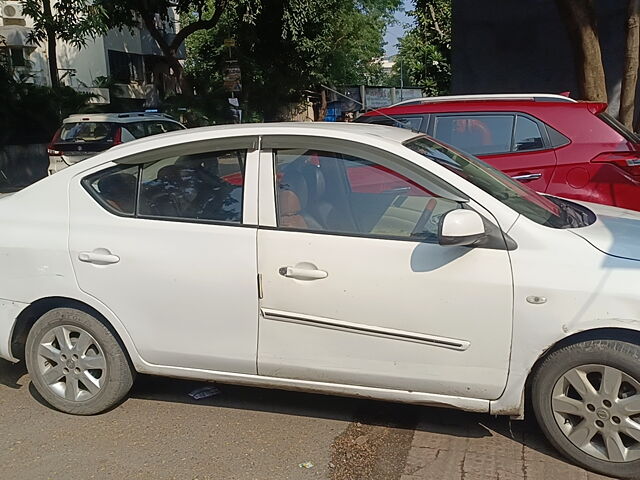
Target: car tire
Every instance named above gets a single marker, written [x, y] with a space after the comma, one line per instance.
[76, 363]
[585, 398]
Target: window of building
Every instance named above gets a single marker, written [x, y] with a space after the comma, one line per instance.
[476, 134]
[333, 192]
[126, 67]
[203, 186]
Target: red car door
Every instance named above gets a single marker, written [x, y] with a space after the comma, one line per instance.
[511, 142]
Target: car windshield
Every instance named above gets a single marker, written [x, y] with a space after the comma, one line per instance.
[549, 211]
[86, 132]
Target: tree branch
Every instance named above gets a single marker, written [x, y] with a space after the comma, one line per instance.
[199, 25]
[149, 22]
[432, 14]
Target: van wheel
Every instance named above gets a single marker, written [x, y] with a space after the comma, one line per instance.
[586, 397]
[75, 362]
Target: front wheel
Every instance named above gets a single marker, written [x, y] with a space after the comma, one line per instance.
[586, 397]
[76, 363]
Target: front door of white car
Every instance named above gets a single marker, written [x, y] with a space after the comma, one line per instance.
[357, 290]
[169, 250]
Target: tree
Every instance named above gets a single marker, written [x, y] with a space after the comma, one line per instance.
[72, 21]
[630, 75]
[580, 19]
[291, 47]
[425, 51]
[195, 16]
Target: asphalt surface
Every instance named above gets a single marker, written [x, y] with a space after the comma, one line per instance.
[160, 432]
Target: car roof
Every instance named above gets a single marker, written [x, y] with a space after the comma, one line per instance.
[359, 132]
[534, 97]
[126, 117]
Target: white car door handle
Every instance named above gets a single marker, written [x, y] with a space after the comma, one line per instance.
[303, 273]
[101, 257]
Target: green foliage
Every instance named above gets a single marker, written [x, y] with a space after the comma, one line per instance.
[290, 47]
[426, 50]
[32, 113]
[72, 20]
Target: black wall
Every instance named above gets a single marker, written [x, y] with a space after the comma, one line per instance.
[513, 46]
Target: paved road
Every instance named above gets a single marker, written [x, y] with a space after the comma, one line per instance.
[247, 433]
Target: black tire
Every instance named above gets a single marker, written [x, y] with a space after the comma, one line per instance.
[620, 355]
[118, 374]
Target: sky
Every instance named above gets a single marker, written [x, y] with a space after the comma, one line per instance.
[397, 30]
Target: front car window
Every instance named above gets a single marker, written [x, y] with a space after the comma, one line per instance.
[328, 191]
[548, 211]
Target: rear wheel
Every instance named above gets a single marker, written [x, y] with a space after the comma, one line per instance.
[76, 363]
[586, 397]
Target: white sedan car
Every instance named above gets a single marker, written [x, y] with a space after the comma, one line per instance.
[348, 259]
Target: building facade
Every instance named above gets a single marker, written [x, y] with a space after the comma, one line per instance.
[129, 61]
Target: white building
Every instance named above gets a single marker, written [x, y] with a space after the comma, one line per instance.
[132, 60]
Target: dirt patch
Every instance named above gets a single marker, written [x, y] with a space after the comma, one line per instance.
[375, 446]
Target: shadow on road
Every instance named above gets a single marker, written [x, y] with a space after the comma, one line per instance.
[10, 373]
[369, 412]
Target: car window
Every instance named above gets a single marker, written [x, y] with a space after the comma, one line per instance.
[136, 129]
[526, 135]
[412, 123]
[86, 132]
[550, 211]
[115, 188]
[202, 186]
[475, 134]
[157, 127]
[339, 193]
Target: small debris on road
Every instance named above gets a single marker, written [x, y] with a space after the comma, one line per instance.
[204, 392]
[306, 465]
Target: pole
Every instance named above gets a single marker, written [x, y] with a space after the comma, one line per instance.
[401, 80]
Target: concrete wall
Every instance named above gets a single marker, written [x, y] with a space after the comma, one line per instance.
[512, 46]
[22, 165]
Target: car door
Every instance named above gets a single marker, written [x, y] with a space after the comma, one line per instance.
[169, 246]
[514, 143]
[355, 288]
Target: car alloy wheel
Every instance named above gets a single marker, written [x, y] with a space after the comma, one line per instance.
[597, 407]
[71, 363]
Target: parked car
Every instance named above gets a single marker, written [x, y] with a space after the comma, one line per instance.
[348, 259]
[86, 134]
[553, 143]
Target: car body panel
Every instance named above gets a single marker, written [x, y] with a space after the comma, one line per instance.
[576, 176]
[585, 288]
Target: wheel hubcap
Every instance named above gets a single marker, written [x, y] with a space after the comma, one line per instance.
[597, 407]
[71, 363]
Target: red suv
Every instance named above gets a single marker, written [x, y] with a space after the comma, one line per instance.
[553, 143]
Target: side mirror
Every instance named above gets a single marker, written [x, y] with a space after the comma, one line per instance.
[461, 227]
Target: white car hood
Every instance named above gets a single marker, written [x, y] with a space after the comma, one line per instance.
[615, 232]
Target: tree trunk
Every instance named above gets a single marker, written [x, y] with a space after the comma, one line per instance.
[630, 75]
[579, 17]
[323, 105]
[52, 52]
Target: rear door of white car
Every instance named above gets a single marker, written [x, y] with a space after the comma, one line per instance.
[356, 288]
[170, 247]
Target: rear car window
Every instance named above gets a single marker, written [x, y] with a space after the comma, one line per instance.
[87, 132]
[115, 188]
[527, 135]
[619, 127]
